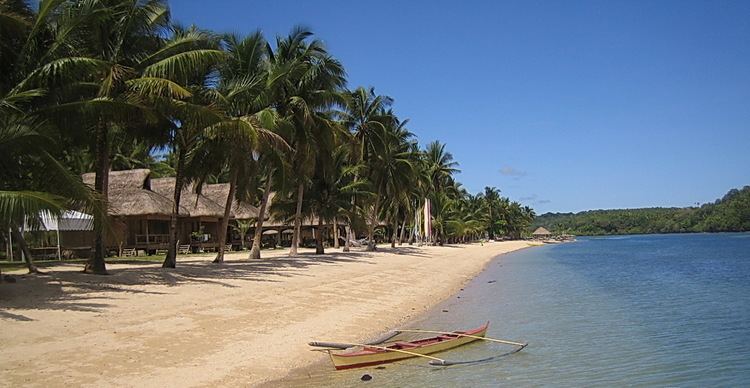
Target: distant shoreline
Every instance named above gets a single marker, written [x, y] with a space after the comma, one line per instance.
[656, 234]
[731, 213]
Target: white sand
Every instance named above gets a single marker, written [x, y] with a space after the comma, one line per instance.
[241, 323]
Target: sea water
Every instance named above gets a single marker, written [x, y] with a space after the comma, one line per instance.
[642, 310]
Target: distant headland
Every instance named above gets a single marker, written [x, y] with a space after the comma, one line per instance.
[730, 213]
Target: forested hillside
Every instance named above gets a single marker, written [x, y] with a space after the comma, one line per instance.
[731, 213]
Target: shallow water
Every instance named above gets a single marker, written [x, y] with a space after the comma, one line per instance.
[658, 310]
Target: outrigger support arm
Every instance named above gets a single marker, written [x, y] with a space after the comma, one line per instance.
[434, 359]
[449, 363]
[522, 345]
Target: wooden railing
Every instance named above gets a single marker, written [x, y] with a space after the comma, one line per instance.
[143, 239]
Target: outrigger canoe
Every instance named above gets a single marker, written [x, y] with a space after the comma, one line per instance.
[361, 356]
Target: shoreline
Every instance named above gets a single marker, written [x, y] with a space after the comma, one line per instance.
[324, 362]
[243, 323]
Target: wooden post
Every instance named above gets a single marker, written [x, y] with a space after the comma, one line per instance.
[147, 237]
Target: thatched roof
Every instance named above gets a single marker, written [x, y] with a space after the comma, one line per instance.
[120, 180]
[240, 210]
[135, 193]
[197, 205]
[130, 194]
[541, 231]
[140, 202]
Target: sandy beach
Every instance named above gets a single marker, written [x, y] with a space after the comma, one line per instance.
[242, 323]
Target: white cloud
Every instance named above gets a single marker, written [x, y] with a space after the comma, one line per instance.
[512, 172]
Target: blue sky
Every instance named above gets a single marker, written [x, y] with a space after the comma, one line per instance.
[563, 105]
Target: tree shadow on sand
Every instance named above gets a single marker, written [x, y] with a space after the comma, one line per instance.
[65, 288]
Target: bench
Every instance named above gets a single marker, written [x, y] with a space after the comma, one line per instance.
[183, 249]
[128, 252]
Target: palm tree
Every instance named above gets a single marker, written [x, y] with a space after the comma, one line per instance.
[440, 168]
[308, 86]
[242, 136]
[334, 185]
[36, 67]
[117, 61]
[440, 165]
[268, 164]
[390, 170]
[34, 183]
[491, 197]
[365, 116]
[242, 227]
[194, 113]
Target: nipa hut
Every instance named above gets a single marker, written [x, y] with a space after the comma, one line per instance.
[141, 207]
[541, 233]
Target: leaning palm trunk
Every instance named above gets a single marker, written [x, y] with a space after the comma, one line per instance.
[255, 250]
[18, 236]
[319, 250]
[371, 237]
[96, 264]
[225, 220]
[335, 233]
[402, 235]
[394, 233]
[297, 220]
[170, 261]
[371, 226]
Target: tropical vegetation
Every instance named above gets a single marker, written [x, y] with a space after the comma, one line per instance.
[731, 213]
[100, 85]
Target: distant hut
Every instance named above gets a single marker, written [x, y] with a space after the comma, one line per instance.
[541, 233]
[141, 207]
[241, 211]
[141, 215]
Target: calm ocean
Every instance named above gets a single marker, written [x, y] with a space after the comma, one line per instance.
[657, 310]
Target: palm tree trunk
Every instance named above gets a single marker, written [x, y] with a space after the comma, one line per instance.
[255, 250]
[297, 220]
[96, 264]
[335, 233]
[394, 233]
[225, 220]
[402, 235]
[170, 261]
[371, 237]
[319, 250]
[18, 236]
[371, 226]
[347, 242]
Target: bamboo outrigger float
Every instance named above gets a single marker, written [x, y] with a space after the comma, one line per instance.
[351, 355]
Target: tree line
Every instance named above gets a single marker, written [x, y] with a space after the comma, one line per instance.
[731, 213]
[102, 85]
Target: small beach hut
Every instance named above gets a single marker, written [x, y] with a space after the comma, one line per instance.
[541, 233]
[75, 226]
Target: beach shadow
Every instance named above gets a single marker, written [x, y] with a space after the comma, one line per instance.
[65, 288]
[15, 317]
